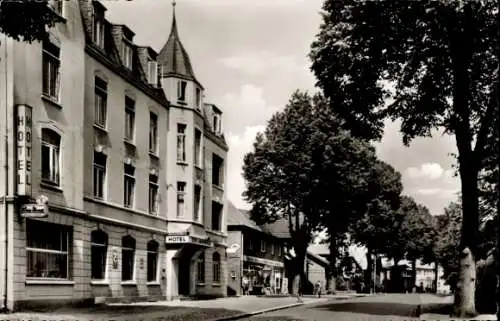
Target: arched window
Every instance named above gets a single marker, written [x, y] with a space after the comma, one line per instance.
[99, 250]
[200, 268]
[128, 258]
[51, 142]
[152, 249]
[216, 267]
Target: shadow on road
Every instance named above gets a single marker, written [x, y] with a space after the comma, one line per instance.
[386, 308]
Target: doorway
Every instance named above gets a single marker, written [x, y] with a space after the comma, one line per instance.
[184, 280]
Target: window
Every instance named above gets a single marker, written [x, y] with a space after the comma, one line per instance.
[98, 30]
[197, 202]
[181, 191]
[279, 251]
[128, 256]
[262, 246]
[181, 90]
[51, 64]
[198, 97]
[128, 185]
[216, 123]
[99, 174]
[272, 249]
[153, 194]
[129, 118]
[152, 72]
[47, 250]
[200, 268]
[216, 216]
[250, 244]
[152, 261]
[197, 147]
[216, 267]
[153, 133]
[181, 142]
[127, 54]
[100, 101]
[99, 250]
[50, 156]
[57, 6]
[217, 170]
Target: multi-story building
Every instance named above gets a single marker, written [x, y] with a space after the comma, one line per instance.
[255, 258]
[113, 167]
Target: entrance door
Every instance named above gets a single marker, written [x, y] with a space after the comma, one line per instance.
[184, 276]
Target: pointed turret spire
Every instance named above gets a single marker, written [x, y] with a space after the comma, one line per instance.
[173, 58]
[174, 22]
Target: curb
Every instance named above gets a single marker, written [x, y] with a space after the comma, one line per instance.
[250, 314]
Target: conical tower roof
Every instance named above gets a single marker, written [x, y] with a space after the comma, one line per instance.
[173, 57]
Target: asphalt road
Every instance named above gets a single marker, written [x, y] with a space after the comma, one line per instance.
[384, 307]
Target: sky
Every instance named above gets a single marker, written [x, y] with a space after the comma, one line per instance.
[250, 55]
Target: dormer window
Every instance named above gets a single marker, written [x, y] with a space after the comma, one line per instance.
[216, 123]
[127, 54]
[198, 98]
[98, 25]
[152, 72]
[98, 32]
[181, 90]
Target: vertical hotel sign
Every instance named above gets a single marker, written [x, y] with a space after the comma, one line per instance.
[24, 144]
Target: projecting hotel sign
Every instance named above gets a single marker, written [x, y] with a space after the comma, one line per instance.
[23, 155]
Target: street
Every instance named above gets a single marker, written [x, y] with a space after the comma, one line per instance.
[380, 307]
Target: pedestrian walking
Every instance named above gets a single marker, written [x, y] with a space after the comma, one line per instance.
[317, 288]
[297, 287]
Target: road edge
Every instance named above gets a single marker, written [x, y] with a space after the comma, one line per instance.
[250, 314]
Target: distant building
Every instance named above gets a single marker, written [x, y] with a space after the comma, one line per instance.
[255, 258]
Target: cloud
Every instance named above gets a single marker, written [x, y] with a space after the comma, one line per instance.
[263, 62]
[239, 145]
[431, 171]
[245, 108]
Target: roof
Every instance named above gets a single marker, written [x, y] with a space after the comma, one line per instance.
[279, 228]
[173, 57]
[238, 217]
[318, 259]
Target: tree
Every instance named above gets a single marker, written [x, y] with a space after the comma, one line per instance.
[417, 233]
[380, 223]
[303, 168]
[440, 58]
[27, 20]
[447, 245]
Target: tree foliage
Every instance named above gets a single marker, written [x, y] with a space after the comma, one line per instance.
[27, 20]
[447, 247]
[440, 59]
[380, 224]
[307, 170]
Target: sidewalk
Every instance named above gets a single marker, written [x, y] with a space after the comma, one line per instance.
[231, 308]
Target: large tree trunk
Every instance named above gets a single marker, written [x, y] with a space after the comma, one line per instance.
[301, 251]
[369, 270]
[468, 163]
[332, 276]
[464, 305]
[414, 273]
[436, 276]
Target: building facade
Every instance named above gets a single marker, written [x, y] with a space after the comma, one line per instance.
[256, 261]
[114, 184]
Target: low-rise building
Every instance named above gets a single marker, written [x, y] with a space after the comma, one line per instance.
[255, 258]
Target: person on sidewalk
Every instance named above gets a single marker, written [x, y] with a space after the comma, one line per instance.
[297, 287]
[317, 289]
